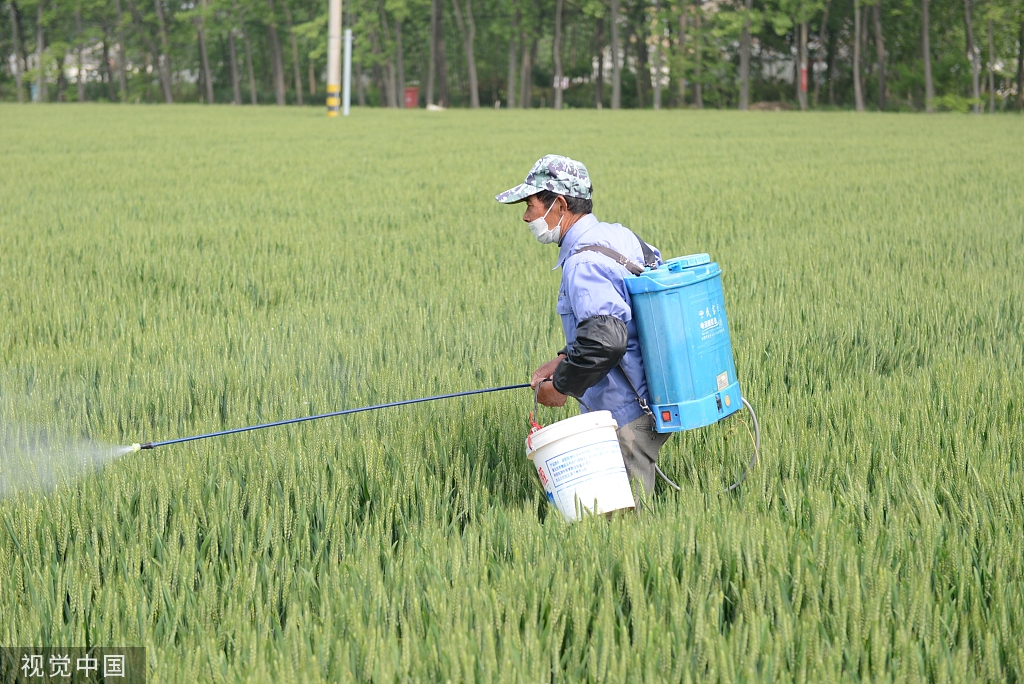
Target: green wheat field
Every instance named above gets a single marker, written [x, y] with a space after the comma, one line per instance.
[168, 271]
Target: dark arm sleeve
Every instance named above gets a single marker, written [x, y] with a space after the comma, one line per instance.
[600, 345]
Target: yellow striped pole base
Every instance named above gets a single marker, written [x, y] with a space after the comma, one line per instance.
[333, 100]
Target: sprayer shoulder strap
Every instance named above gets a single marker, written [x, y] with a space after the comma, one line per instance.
[650, 261]
[630, 265]
[643, 402]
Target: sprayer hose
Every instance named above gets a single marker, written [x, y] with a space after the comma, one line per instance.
[153, 445]
[753, 461]
[757, 446]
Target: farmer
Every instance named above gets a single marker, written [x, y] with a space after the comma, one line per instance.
[600, 364]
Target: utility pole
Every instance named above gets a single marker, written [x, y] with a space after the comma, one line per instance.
[346, 95]
[333, 57]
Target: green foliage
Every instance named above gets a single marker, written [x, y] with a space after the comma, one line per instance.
[174, 270]
[954, 103]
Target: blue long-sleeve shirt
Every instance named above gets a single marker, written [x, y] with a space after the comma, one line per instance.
[594, 285]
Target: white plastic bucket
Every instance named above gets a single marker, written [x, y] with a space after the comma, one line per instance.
[580, 465]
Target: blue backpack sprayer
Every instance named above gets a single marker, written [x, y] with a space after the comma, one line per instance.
[679, 308]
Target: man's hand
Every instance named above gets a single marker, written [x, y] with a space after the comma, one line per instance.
[546, 371]
[548, 396]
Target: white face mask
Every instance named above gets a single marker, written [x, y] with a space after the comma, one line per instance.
[540, 230]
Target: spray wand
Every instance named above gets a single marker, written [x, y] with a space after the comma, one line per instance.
[153, 445]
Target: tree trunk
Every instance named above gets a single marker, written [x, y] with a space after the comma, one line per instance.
[656, 56]
[62, 82]
[312, 77]
[1020, 66]
[681, 47]
[468, 30]
[20, 31]
[236, 86]
[13, 9]
[391, 85]
[400, 62]
[154, 64]
[148, 64]
[529, 58]
[276, 57]
[360, 85]
[557, 54]
[524, 69]
[164, 57]
[248, 64]
[876, 13]
[698, 88]
[573, 41]
[821, 47]
[203, 57]
[111, 95]
[858, 94]
[972, 52]
[510, 78]
[511, 85]
[122, 73]
[443, 97]
[378, 79]
[384, 76]
[523, 60]
[991, 75]
[865, 69]
[616, 66]
[474, 84]
[80, 82]
[643, 66]
[388, 84]
[801, 85]
[796, 62]
[296, 72]
[41, 94]
[533, 63]
[432, 63]
[745, 58]
[926, 54]
[599, 50]
[276, 65]
[831, 70]
[633, 40]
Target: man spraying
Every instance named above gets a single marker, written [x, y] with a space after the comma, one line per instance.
[600, 364]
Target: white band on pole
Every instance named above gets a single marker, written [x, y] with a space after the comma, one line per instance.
[346, 95]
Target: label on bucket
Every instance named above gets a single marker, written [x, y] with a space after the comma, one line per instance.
[594, 475]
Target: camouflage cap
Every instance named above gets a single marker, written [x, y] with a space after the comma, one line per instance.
[554, 173]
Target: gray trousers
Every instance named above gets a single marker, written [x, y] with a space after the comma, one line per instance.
[640, 445]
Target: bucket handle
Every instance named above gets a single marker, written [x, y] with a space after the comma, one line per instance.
[534, 425]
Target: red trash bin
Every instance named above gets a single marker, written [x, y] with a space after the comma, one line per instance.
[412, 97]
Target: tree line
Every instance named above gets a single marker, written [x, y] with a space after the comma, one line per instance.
[891, 55]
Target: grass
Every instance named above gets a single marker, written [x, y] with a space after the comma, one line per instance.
[174, 270]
